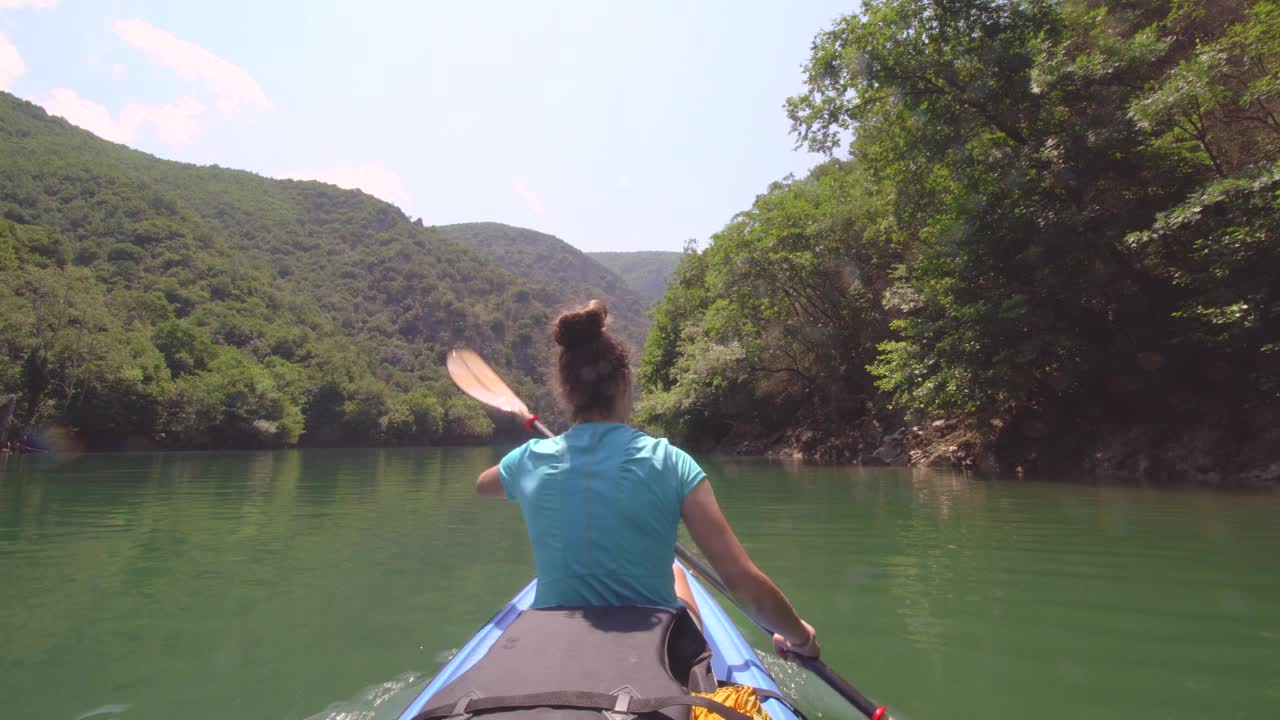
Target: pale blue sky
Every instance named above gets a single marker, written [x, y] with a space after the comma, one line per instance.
[613, 126]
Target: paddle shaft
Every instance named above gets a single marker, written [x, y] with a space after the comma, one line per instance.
[812, 664]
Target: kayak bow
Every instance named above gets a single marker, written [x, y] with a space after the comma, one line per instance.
[732, 658]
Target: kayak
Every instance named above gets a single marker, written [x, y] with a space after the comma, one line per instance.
[732, 658]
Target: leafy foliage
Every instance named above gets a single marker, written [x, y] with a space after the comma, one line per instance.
[146, 301]
[778, 316]
[1054, 211]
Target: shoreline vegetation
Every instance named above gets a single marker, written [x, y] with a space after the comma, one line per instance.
[149, 304]
[1046, 236]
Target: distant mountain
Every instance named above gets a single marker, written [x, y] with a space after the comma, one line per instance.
[567, 276]
[147, 302]
[646, 271]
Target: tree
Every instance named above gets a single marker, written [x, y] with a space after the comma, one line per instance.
[465, 422]
[186, 348]
[274, 306]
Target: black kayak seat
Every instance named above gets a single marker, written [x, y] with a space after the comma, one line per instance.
[585, 663]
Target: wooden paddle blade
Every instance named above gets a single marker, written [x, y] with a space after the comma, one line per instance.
[474, 377]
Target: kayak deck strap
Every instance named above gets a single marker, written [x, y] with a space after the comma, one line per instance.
[578, 700]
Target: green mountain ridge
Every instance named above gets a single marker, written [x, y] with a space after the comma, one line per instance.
[647, 271]
[145, 301]
[564, 275]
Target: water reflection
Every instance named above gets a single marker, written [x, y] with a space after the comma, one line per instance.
[274, 584]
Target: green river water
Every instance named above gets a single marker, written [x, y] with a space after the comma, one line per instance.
[333, 583]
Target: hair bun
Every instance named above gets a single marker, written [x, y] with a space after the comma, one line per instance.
[579, 327]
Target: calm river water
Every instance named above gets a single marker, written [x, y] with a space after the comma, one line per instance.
[333, 583]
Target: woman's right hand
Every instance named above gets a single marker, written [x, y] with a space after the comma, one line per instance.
[788, 650]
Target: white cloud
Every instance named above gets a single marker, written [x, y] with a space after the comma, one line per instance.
[92, 116]
[231, 84]
[529, 197]
[372, 177]
[117, 70]
[11, 65]
[15, 4]
[175, 124]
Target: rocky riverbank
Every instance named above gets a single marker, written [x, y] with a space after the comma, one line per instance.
[1243, 453]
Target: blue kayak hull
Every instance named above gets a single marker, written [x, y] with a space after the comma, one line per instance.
[731, 656]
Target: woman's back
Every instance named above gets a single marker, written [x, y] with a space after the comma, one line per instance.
[602, 503]
[603, 500]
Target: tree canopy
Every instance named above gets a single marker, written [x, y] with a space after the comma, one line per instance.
[1050, 215]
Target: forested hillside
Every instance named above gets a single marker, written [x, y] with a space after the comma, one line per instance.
[1049, 233]
[645, 271]
[562, 275]
[153, 303]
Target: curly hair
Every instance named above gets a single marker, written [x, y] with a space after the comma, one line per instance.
[594, 367]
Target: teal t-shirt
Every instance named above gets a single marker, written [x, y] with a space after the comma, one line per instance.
[601, 502]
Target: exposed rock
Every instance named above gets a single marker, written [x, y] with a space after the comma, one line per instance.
[871, 460]
[869, 432]
[1263, 476]
[1223, 451]
[889, 452]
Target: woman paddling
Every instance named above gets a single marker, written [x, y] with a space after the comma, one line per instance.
[603, 500]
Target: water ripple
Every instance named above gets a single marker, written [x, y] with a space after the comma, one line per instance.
[272, 584]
